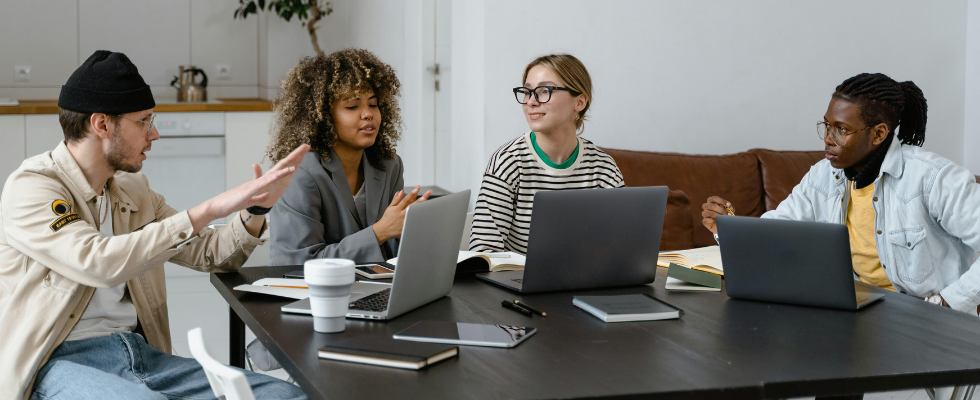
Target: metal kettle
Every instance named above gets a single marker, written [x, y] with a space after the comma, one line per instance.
[188, 90]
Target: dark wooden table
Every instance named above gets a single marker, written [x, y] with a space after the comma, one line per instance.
[720, 348]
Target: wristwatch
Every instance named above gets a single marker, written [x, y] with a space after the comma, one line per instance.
[256, 210]
[935, 299]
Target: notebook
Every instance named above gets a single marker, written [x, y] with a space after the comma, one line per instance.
[703, 259]
[686, 279]
[387, 352]
[473, 261]
[628, 307]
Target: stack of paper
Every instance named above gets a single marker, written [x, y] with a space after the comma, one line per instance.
[283, 287]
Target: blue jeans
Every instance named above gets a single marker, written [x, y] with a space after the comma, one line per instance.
[123, 366]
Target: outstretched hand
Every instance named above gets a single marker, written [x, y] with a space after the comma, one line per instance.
[264, 190]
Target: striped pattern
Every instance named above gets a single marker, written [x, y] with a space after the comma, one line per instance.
[502, 219]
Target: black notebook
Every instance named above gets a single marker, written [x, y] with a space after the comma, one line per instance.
[387, 352]
[627, 307]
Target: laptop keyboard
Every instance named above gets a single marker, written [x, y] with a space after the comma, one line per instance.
[376, 302]
[518, 280]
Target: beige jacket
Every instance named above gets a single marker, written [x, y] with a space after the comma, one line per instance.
[52, 257]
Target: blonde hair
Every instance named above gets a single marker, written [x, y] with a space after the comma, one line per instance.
[572, 72]
[302, 107]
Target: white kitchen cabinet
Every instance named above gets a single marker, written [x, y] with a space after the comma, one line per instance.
[12, 150]
[246, 139]
[43, 133]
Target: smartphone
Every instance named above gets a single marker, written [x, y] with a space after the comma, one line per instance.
[379, 270]
[462, 333]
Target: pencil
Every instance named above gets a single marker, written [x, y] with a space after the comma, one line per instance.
[511, 306]
[729, 209]
[531, 309]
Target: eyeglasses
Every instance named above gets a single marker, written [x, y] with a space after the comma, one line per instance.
[541, 93]
[837, 134]
[149, 125]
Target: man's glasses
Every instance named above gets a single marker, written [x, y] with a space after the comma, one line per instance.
[149, 125]
[837, 134]
[541, 93]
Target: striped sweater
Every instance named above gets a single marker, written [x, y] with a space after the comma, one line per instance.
[502, 220]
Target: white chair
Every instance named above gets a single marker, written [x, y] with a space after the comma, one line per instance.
[226, 382]
[952, 393]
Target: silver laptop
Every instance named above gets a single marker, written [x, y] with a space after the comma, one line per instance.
[590, 238]
[426, 266]
[793, 262]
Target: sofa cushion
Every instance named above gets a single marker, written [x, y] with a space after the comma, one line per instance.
[677, 222]
[735, 177]
[782, 171]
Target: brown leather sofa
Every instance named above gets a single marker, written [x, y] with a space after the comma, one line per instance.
[754, 181]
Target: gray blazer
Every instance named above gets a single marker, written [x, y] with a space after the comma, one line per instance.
[315, 217]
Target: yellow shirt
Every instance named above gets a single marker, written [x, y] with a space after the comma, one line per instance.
[861, 228]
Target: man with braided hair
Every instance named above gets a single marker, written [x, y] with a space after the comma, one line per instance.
[911, 214]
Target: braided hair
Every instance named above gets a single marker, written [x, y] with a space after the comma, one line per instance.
[883, 100]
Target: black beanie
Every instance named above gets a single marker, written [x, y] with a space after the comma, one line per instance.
[106, 83]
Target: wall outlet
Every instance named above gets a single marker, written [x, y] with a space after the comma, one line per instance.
[22, 73]
[222, 71]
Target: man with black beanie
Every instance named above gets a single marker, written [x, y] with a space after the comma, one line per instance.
[83, 240]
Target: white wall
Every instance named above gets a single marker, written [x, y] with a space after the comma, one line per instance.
[718, 77]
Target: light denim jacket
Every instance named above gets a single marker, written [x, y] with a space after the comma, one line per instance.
[927, 220]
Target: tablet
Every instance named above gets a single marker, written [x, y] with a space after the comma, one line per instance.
[465, 334]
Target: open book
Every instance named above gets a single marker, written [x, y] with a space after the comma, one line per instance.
[474, 261]
[706, 259]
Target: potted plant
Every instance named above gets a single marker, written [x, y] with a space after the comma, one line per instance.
[308, 11]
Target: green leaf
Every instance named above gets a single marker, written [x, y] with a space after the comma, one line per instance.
[261, 4]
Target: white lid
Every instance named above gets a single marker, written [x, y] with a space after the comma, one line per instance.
[328, 267]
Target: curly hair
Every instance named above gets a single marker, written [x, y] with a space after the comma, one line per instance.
[302, 107]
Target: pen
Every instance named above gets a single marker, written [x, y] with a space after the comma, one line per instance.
[531, 309]
[511, 306]
[729, 209]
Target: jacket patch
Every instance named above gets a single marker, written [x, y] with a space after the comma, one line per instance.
[64, 221]
[61, 207]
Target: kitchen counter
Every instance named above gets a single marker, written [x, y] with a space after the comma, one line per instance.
[51, 106]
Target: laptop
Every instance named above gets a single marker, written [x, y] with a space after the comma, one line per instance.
[427, 255]
[590, 238]
[793, 262]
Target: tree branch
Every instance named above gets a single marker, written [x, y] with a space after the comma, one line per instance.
[310, 25]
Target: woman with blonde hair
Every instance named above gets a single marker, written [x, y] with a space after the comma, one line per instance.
[346, 198]
[556, 95]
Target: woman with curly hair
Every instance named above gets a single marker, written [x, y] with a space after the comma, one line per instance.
[346, 199]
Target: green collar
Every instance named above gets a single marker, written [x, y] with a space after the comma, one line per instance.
[544, 157]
